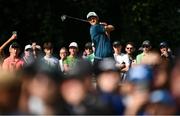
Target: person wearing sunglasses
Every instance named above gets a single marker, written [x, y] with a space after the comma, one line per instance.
[165, 52]
[118, 55]
[130, 54]
[146, 45]
[28, 55]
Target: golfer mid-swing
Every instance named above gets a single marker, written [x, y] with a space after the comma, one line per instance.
[100, 36]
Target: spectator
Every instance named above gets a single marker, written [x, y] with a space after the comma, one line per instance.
[14, 36]
[88, 52]
[139, 80]
[63, 56]
[118, 55]
[37, 51]
[28, 55]
[108, 83]
[175, 80]
[79, 94]
[130, 49]
[146, 45]
[34, 48]
[49, 58]
[13, 62]
[161, 70]
[44, 98]
[122, 62]
[164, 49]
[72, 58]
[166, 55]
[161, 103]
[9, 93]
[83, 70]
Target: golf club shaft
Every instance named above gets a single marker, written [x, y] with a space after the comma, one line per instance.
[77, 19]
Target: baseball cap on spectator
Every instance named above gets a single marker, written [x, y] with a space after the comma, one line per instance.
[140, 74]
[73, 44]
[116, 43]
[27, 47]
[146, 42]
[163, 45]
[161, 96]
[91, 14]
[88, 45]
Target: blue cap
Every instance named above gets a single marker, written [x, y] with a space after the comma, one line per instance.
[140, 74]
[162, 96]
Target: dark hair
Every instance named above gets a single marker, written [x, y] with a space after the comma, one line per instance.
[131, 43]
[116, 43]
[163, 45]
[15, 45]
[47, 45]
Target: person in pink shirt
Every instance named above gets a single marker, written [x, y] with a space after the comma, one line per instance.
[13, 62]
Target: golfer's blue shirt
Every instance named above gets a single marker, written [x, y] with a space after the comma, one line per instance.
[103, 47]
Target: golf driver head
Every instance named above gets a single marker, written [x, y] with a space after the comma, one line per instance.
[63, 18]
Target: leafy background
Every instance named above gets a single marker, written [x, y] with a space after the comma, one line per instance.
[134, 20]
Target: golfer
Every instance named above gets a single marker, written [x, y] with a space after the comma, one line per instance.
[100, 36]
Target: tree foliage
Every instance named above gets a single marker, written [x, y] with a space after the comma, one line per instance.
[134, 20]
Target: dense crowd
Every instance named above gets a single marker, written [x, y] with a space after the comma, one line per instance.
[36, 82]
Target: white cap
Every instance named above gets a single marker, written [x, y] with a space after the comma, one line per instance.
[73, 44]
[28, 47]
[92, 14]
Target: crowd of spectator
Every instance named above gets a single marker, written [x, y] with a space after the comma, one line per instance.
[37, 82]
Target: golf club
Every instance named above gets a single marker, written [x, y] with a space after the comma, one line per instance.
[64, 17]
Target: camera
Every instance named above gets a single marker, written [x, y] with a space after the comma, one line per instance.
[14, 32]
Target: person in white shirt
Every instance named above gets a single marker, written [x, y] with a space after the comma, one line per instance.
[120, 58]
[49, 58]
[129, 57]
[118, 55]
